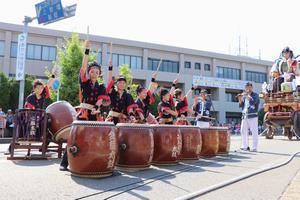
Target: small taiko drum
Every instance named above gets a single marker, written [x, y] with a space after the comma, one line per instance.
[30, 125]
[191, 142]
[61, 114]
[167, 144]
[136, 146]
[92, 149]
[224, 140]
[210, 141]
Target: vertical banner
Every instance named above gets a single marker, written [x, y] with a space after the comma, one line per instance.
[21, 56]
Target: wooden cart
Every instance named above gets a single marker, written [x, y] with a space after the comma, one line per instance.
[282, 110]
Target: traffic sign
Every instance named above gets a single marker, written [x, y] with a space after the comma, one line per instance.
[49, 10]
[21, 56]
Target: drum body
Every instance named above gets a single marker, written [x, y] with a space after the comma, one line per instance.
[92, 149]
[30, 125]
[136, 146]
[61, 114]
[224, 140]
[167, 144]
[210, 141]
[191, 142]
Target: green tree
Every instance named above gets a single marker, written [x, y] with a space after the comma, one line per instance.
[4, 88]
[70, 60]
[9, 88]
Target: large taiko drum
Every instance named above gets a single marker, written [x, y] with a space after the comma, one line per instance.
[61, 114]
[167, 144]
[224, 140]
[136, 146]
[92, 149]
[210, 141]
[191, 142]
[30, 125]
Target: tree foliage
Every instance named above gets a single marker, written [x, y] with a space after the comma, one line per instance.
[9, 88]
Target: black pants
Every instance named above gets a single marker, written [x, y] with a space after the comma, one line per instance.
[64, 162]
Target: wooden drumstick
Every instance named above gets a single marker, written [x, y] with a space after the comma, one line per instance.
[157, 69]
[88, 33]
[110, 52]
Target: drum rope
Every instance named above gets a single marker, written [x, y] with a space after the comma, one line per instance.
[234, 180]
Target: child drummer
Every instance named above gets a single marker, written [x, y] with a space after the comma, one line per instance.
[181, 106]
[166, 106]
[92, 95]
[144, 100]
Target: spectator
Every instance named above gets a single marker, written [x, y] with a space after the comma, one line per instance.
[2, 123]
[9, 122]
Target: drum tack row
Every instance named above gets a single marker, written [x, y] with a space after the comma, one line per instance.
[95, 149]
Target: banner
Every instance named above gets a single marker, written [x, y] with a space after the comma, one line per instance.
[21, 57]
[218, 82]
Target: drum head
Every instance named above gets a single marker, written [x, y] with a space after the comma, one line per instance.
[62, 135]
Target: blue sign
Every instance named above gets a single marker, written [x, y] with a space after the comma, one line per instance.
[56, 85]
[49, 10]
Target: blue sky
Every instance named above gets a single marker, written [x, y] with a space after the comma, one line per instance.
[214, 25]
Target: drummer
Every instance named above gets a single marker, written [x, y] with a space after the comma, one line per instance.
[36, 99]
[145, 99]
[181, 106]
[40, 92]
[122, 103]
[165, 111]
[202, 106]
[92, 94]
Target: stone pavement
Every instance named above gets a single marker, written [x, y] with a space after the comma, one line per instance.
[293, 190]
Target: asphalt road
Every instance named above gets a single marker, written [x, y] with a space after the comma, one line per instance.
[41, 179]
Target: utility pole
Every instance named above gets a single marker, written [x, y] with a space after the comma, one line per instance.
[26, 21]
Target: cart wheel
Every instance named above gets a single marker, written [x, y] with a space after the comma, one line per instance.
[295, 134]
[270, 133]
[296, 123]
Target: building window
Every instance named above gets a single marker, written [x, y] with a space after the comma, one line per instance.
[258, 77]
[99, 57]
[198, 66]
[134, 62]
[206, 67]
[166, 66]
[34, 52]
[187, 64]
[226, 72]
[1, 48]
[231, 97]
[13, 49]
[49, 53]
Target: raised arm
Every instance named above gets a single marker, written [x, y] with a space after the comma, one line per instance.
[85, 60]
[172, 91]
[152, 86]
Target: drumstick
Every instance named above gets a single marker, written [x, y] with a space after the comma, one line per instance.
[110, 52]
[206, 117]
[88, 32]
[159, 65]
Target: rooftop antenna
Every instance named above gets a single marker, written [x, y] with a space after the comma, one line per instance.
[259, 54]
